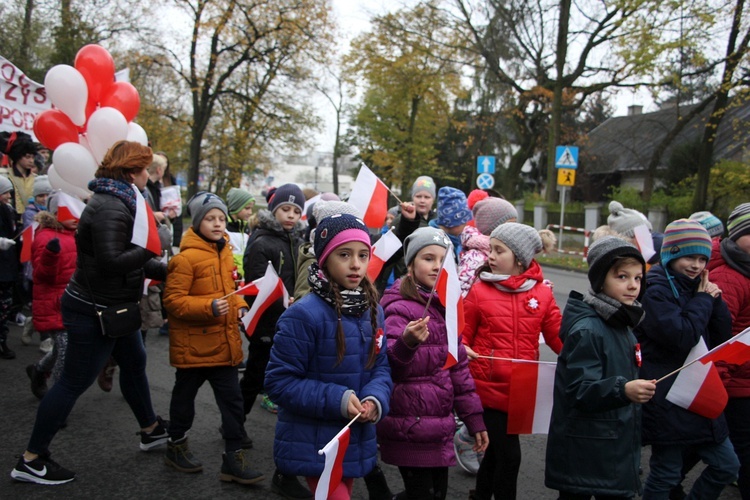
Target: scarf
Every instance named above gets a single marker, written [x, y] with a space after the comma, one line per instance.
[118, 189]
[613, 312]
[353, 302]
[507, 283]
[735, 257]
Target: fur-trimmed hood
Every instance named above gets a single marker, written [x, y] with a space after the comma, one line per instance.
[48, 221]
[267, 220]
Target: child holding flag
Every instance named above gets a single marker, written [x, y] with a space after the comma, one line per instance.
[328, 363]
[505, 310]
[682, 309]
[594, 441]
[204, 338]
[417, 434]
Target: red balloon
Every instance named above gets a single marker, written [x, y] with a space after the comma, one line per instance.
[98, 69]
[53, 127]
[124, 98]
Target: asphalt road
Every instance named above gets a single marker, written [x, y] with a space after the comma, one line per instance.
[100, 442]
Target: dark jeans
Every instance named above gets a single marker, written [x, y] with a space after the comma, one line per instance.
[738, 418]
[86, 354]
[666, 470]
[498, 472]
[225, 384]
[564, 495]
[425, 483]
[251, 384]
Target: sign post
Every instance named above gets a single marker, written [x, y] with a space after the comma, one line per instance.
[566, 161]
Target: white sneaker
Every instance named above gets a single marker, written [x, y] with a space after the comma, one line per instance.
[467, 458]
[20, 319]
[28, 331]
[46, 345]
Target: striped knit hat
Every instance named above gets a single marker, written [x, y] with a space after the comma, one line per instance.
[708, 220]
[682, 238]
[738, 223]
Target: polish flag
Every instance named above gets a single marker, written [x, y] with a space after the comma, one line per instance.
[334, 470]
[147, 283]
[644, 242]
[145, 234]
[698, 387]
[68, 207]
[735, 350]
[382, 250]
[370, 196]
[448, 289]
[27, 239]
[270, 289]
[530, 398]
[248, 289]
[309, 202]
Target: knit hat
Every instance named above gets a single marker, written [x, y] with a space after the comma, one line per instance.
[336, 230]
[323, 209]
[684, 237]
[238, 199]
[423, 237]
[452, 209]
[199, 205]
[288, 194]
[423, 183]
[491, 212]
[17, 145]
[393, 211]
[5, 185]
[602, 255]
[625, 220]
[738, 222]
[524, 241]
[475, 196]
[41, 185]
[708, 220]
[269, 193]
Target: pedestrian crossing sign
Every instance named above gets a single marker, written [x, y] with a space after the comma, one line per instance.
[566, 157]
[566, 177]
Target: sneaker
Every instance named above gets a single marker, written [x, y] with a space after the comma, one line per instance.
[289, 487]
[156, 437]
[46, 345]
[180, 457]
[235, 467]
[28, 331]
[269, 405]
[38, 381]
[246, 443]
[20, 319]
[41, 470]
[467, 458]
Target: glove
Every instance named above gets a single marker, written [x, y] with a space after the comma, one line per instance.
[53, 245]
[6, 243]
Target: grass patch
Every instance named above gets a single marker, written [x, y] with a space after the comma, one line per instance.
[572, 262]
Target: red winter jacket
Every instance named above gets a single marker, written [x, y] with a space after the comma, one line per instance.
[735, 288]
[51, 271]
[507, 325]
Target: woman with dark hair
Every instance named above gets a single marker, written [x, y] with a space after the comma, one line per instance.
[109, 271]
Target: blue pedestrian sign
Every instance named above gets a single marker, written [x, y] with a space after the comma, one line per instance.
[485, 164]
[566, 157]
[485, 181]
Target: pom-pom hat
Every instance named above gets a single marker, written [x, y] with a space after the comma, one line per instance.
[336, 230]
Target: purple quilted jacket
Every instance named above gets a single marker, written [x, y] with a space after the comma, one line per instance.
[419, 428]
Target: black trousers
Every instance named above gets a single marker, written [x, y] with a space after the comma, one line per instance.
[225, 384]
[425, 483]
[564, 495]
[251, 383]
[498, 472]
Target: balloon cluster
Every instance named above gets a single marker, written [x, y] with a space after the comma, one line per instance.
[91, 112]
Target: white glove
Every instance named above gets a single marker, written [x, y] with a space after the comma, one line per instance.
[6, 243]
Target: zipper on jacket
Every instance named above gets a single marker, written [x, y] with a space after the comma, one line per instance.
[281, 262]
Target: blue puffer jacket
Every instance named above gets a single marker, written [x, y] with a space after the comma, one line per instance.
[305, 380]
[669, 331]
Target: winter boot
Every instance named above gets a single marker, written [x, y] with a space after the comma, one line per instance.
[180, 457]
[236, 467]
[377, 485]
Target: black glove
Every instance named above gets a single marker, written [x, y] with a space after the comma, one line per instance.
[53, 245]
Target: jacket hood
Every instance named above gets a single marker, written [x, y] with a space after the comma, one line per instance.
[266, 220]
[575, 310]
[48, 221]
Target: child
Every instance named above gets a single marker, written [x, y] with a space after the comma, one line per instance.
[417, 434]
[328, 363]
[594, 442]
[682, 306]
[204, 339]
[505, 310]
[8, 264]
[452, 215]
[240, 205]
[53, 254]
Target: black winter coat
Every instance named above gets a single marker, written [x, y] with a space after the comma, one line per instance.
[107, 261]
[671, 328]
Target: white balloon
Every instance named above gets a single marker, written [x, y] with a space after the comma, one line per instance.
[57, 182]
[83, 141]
[137, 134]
[74, 164]
[68, 91]
[106, 127]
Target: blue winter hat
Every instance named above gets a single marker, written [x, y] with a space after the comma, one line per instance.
[713, 224]
[452, 208]
[288, 194]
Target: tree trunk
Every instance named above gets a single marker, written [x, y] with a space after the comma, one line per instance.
[336, 153]
[25, 49]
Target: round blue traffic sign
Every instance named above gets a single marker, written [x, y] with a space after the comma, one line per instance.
[485, 181]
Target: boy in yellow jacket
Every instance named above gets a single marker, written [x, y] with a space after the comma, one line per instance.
[204, 338]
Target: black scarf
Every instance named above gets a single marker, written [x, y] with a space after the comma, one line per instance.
[120, 189]
[613, 312]
[735, 257]
[354, 302]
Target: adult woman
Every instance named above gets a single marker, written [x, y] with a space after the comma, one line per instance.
[109, 271]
